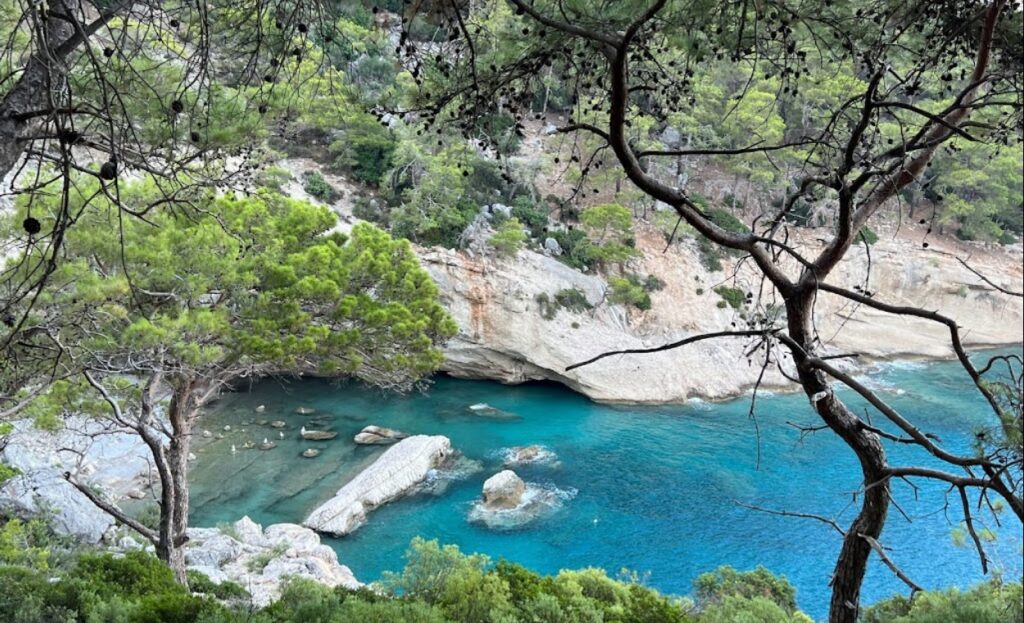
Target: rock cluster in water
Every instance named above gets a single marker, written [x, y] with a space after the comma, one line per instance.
[395, 473]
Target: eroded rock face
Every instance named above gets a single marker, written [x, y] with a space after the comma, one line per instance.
[115, 462]
[392, 475]
[260, 560]
[378, 436]
[504, 336]
[504, 490]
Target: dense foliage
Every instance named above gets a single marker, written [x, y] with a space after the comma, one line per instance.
[439, 584]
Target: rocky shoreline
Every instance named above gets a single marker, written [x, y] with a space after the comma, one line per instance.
[505, 334]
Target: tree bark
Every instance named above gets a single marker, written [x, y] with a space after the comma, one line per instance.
[851, 564]
[181, 414]
[32, 91]
[40, 87]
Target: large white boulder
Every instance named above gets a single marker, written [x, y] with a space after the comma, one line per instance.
[504, 490]
[393, 474]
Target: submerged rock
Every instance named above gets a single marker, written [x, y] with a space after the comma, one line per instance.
[456, 467]
[378, 436]
[504, 490]
[260, 560]
[527, 455]
[396, 472]
[484, 410]
[316, 435]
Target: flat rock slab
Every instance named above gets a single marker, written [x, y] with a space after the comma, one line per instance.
[397, 471]
[378, 436]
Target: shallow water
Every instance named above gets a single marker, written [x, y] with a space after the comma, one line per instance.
[659, 490]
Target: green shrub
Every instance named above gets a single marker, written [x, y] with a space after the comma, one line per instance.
[548, 307]
[24, 544]
[734, 297]
[577, 250]
[199, 583]
[652, 283]
[725, 220]
[149, 516]
[367, 209]
[274, 178]
[172, 608]
[735, 609]
[135, 574]
[990, 602]
[533, 215]
[715, 587]
[366, 149]
[625, 291]
[29, 597]
[573, 299]
[609, 227]
[317, 186]
[509, 238]
[258, 562]
[710, 254]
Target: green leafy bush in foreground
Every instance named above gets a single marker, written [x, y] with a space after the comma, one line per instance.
[440, 584]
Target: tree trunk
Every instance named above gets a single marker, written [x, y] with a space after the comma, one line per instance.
[174, 531]
[851, 564]
[41, 77]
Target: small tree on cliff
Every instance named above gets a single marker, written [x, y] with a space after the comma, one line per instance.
[920, 74]
[153, 325]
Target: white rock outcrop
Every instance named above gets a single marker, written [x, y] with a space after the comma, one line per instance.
[504, 336]
[260, 560]
[93, 451]
[504, 490]
[396, 472]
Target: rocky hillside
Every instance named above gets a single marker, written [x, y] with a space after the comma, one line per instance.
[504, 334]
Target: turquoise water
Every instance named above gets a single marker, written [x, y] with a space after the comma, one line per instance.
[658, 489]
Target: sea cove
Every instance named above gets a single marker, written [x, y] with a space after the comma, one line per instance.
[658, 490]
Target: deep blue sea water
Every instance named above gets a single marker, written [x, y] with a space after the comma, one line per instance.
[659, 490]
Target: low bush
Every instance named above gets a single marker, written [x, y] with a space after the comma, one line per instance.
[315, 184]
[440, 584]
[733, 297]
[626, 291]
[509, 238]
[572, 299]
